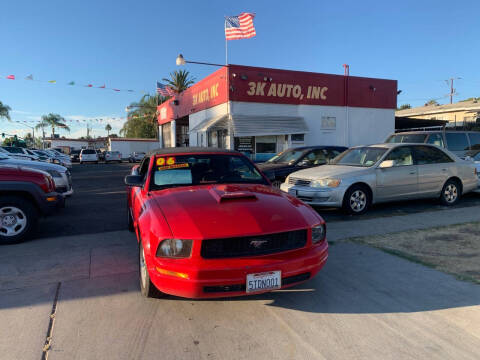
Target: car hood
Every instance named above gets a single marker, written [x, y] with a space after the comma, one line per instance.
[271, 166]
[216, 211]
[327, 171]
[33, 164]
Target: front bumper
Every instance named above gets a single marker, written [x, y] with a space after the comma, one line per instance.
[51, 203]
[63, 184]
[330, 197]
[212, 279]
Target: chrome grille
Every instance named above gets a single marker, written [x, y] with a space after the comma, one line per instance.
[300, 182]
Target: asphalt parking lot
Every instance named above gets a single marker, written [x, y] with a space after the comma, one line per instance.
[73, 294]
[99, 204]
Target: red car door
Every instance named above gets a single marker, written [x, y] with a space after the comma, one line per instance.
[138, 195]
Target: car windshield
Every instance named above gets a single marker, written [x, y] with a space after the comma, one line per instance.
[407, 138]
[199, 169]
[363, 156]
[286, 157]
[14, 150]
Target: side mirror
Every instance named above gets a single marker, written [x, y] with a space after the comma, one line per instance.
[134, 180]
[386, 164]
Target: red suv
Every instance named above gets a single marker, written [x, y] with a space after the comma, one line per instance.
[25, 194]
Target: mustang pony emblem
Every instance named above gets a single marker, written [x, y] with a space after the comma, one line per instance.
[257, 243]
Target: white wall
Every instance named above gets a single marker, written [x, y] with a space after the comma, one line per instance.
[127, 147]
[198, 117]
[73, 144]
[364, 125]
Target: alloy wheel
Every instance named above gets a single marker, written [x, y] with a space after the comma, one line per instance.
[143, 269]
[358, 201]
[450, 193]
[12, 221]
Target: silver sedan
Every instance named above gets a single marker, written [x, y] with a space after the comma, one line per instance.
[371, 174]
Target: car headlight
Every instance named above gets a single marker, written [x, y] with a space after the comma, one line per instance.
[54, 173]
[175, 248]
[319, 233]
[332, 183]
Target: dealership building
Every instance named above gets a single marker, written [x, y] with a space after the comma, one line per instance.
[263, 111]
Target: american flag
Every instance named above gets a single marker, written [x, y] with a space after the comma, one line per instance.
[239, 27]
[164, 90]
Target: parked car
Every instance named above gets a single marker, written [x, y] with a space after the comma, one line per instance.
[88, 155]
[288, 161]
[210, 225]
[61, 175]
[18, 153]
[25, 194]
[75, 156]
[474, 155]
[136, 157]
[458, 142]
[101, 155]
[113, 156]
[365, 175]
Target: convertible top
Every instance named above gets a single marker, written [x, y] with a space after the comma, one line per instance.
[191, 150]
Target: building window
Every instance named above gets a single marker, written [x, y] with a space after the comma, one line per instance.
[298, 137]
[266, 144]
[329, 123]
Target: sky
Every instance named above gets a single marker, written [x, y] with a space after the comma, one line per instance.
[131, 44]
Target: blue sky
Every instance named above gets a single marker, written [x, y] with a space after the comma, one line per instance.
[131, 44]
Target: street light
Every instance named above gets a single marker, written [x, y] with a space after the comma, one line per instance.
[181, 61]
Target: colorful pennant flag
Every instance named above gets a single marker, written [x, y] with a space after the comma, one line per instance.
[89, 85]
[29, 77]
[71, 83]
[11, 77]
[102, 87]
[52, 81]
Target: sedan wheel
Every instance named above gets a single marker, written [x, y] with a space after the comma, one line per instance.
[450, 193]
[356, 200]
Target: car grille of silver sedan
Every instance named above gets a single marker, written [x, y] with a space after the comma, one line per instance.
[297, 181]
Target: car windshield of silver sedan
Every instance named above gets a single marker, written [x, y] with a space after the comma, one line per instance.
[363, 156]
[185, 170]
[286, 157]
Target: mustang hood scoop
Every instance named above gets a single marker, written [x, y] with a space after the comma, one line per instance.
[224, 193]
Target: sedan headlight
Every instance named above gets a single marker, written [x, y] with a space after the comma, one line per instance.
[332, 183]
[175, 248]
[54, 173]
[319, 233]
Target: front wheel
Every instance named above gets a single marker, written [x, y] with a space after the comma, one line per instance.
[450, 193]
[18, 219]
[147, 288]
[357, 200]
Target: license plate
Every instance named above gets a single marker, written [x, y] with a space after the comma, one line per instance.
[264, 281]
[292, 192]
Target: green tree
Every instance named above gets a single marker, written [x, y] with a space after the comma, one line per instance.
[108, 128]
[142, 117]
[404, 107]
[179, 80]
[431, 102]
[4, 111]
[54, 121]
[29, 140]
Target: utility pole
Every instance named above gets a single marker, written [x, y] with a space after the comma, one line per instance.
[452, 89]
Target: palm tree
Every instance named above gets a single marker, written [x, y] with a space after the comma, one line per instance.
[431, 102]
[4, 111]
[108, 128]
[142, 117]
[179, 80]
[53, 120]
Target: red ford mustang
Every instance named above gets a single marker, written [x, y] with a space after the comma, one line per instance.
[209, 224]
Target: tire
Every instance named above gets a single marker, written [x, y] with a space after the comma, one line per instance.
[276, 183]
[451, 193]
[130, 221]
[81, 162]
[147, 289]
[18, 217]
[357, 200]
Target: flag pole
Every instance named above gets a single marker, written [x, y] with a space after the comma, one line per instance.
[226, 43]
